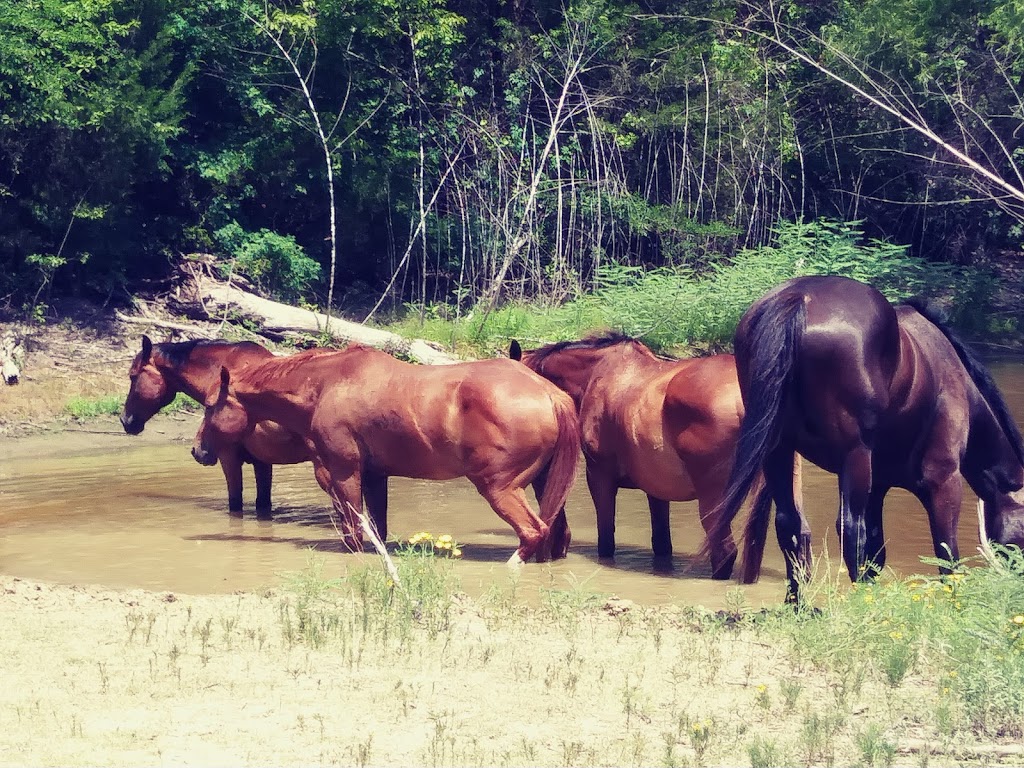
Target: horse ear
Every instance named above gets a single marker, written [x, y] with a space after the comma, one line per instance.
[515, 351]
[147, 347]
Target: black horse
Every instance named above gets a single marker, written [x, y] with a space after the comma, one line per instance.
[881, 396]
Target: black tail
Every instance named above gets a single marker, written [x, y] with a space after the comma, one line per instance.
[773, 330]
[979, 374]
[755, 533]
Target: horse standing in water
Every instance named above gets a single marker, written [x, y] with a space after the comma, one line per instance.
[160, 371]
[367, 416]
[883, 397]
[667, 427]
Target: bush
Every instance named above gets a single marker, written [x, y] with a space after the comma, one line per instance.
[276, 263]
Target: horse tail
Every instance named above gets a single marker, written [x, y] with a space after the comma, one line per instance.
[773, 331]
[755, 534]
[561, 468]
[979, 373]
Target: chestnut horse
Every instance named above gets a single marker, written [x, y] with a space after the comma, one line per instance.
[367, 416]
[160, 371]
[667, 427]
[884, 398]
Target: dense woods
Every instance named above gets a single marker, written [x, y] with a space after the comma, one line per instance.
[369, 154]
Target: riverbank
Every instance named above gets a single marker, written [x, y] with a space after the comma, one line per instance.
[355, 671]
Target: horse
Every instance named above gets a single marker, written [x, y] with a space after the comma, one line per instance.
[160, 371]
[366, 416]
[665, 426]
[883, 397]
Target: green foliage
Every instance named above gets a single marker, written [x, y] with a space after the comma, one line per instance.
[274, 262]
[678, 307]
[91, 407]
[963, 634]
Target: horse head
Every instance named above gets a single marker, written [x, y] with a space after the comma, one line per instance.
[149, 391]
[225, 422]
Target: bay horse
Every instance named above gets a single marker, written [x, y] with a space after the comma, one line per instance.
[882, 396]
[665, 426]
[366, 416]
[160, 371]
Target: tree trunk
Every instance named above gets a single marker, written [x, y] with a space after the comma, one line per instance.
[210, 299]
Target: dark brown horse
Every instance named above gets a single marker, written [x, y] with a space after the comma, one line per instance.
[161, 371]
[367, 416]
[667, 427]
[884, 398]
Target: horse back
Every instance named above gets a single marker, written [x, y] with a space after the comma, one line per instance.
[433, 422]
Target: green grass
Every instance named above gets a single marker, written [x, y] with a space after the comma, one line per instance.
[82, 408]
[91, 407]
[943, 653]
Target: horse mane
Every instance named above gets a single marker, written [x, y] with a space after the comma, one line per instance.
[179, 352]
[978, 372]
[274, 368]
[599, 341]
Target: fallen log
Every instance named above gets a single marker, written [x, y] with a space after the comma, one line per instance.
[212, 299]
[154, 323]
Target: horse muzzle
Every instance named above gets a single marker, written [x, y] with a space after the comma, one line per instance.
[203, 456]
[131, 424]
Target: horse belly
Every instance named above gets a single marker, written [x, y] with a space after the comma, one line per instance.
[273, 444]
[405, 457]
[658, 471]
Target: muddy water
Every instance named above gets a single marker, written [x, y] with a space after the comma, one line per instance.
[102, 507]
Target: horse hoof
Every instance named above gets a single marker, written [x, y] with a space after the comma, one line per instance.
[515, 562]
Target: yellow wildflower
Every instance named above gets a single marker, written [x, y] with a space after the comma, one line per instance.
[456, 552]
[1018, 619]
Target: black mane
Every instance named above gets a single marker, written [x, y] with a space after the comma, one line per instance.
[179, 352]
[610, 339]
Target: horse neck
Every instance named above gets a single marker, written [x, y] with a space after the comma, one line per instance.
[571, 370]
[990, 453]
[194, 378]
[288, 399]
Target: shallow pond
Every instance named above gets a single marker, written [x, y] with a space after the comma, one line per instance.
[98, 506]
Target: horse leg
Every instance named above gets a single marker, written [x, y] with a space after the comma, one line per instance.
[875, 531]
[344, 488]
[231, 466]
[941, 498]
[791, 527]
[264, 473]
[559, 534]
[510, 505]
[602, 491]
[661, 532]
[375, 492]
[851, 524]
[720, 541]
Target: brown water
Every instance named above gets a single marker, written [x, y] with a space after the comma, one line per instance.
[102, 507]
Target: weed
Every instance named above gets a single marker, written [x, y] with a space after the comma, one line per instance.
[702, 735]
[875, 749]
[790, 690]
[765, 753]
